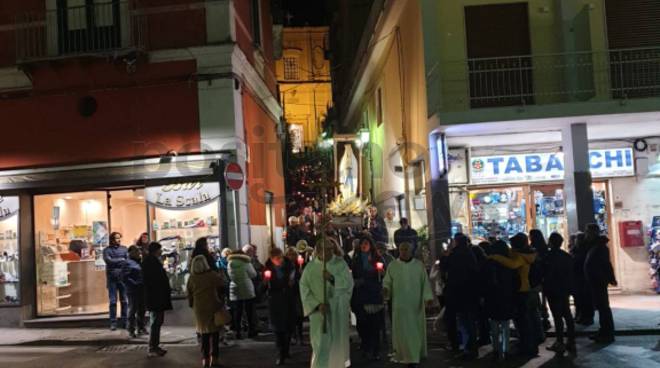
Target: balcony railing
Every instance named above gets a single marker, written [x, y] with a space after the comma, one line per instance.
[101, 28]
[547, 79]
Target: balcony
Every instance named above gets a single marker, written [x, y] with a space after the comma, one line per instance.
[103, 28]
[526, 84]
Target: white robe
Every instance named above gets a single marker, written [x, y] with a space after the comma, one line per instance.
[409, 288]
[332, 349]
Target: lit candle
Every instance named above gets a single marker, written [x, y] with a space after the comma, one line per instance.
[301, 260]
[267, 275]
[380, 266]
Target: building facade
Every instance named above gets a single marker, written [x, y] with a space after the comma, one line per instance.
[122, 117]
[385, 104]
[553, 129]
[305, 87]
[534, 114]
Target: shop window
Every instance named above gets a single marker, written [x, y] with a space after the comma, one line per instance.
[498, 213]
[179, 215]
[550, 214]
[9, 255]
[291, 71]
[70, 233]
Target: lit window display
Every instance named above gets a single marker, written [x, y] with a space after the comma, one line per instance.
[180, 214]
[550, 210]
[499, 213]
[70, 233]
[9, 265]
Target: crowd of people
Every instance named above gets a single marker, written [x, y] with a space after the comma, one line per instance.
[358, 277]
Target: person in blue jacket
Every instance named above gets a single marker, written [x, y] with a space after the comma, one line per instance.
[115, 256]
[134, 282]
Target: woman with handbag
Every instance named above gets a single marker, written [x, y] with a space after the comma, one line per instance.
[205, 297]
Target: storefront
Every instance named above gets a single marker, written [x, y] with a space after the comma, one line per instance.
[74, 210]
[507, 194]
[499, 191]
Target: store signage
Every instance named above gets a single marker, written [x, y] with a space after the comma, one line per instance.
[182, 195]
[8, 207]
[532, 167]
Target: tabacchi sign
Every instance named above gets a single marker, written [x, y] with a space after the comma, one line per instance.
[8, 207]
[533, 167]
[182, 195]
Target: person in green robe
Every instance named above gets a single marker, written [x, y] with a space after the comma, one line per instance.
[331, 347]
[407, 285]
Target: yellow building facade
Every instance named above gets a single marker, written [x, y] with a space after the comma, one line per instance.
[303, 74]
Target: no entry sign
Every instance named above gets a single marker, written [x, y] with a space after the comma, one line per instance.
[234, 176]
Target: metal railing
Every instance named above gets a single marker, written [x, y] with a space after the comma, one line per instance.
[547, 79]
[101, 28]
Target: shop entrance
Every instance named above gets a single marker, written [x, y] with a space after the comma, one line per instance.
[549, 211]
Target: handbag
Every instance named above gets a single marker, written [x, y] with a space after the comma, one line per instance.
[222, 317]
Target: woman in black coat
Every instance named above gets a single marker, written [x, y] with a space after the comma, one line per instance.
[502, 284]
[298, 262]
[279, 277]
[157, 295]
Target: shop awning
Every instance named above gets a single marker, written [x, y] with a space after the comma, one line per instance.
[133, 172]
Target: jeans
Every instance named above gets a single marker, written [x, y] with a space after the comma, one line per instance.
[561, 312]
[601, 300]
[157, 319]
[114, 287]
[524, 320]
[535, 318]
[500, 334]
[584, 308]
[468, 323]
[136, 311]
[210, 345]
[237, 308]
[452, 327]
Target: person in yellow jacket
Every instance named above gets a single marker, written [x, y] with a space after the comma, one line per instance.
[520, 258]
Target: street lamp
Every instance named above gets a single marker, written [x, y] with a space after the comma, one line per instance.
[364, 135]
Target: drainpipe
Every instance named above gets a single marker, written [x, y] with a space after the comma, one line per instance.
[404, 127]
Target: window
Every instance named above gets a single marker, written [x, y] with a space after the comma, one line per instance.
[379, 106]
[296, 135]
[256, 22]
[9, 255]
[71, 231]
[419, 177]
[88, 25]
[291, 68]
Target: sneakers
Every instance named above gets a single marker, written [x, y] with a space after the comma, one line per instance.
[132, 334]
[143, 331]
[113, 327]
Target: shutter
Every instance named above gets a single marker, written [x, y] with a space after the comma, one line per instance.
[633, 23]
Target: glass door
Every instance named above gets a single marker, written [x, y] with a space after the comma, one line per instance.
[549, 209]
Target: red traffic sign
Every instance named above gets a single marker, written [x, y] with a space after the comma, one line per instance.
[234, 176]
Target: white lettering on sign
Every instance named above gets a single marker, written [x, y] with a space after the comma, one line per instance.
[533, 167]
[8, 207]
[182, 195]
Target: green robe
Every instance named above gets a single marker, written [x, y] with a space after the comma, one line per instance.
[409, 289]
[330, 349]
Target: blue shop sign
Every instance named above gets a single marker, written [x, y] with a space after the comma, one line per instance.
[534, 167]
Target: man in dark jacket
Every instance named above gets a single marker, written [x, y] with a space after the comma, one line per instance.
[406, 234]
[132, 277]
[584, 308]
[461, 290]
[158, 295]
[557, 286]
[599, 274]
[115, 256]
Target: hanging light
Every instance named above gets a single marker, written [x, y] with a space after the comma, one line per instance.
[364, 135]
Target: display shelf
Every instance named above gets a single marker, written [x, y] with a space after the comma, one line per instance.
[65, 296]
[63, 308]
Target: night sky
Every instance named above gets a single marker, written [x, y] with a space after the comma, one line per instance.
[305, 12]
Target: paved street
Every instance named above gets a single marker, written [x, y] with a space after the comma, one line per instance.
[633, 352]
